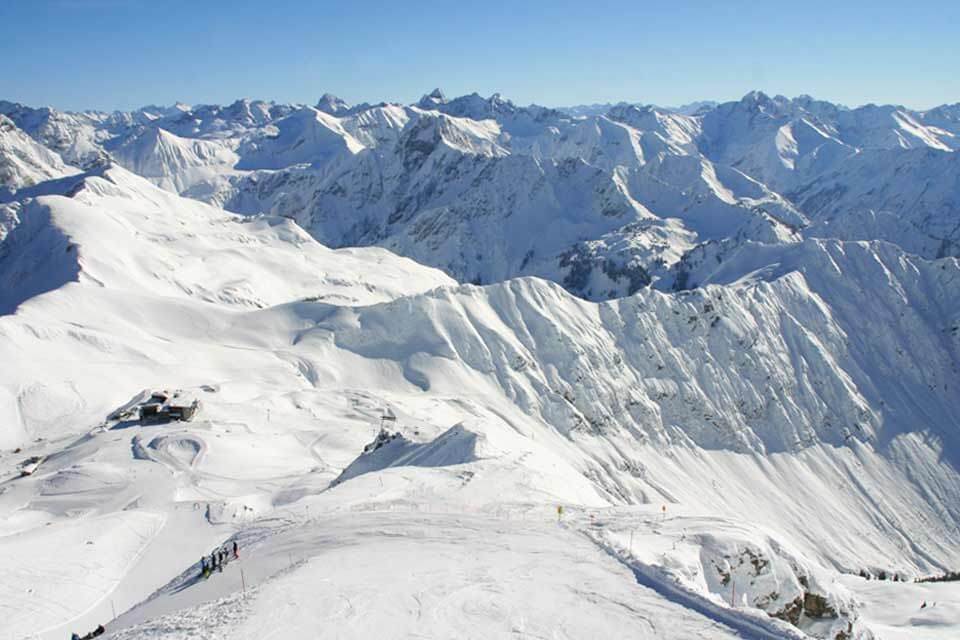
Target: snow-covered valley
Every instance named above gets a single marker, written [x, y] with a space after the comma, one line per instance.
[632, 374]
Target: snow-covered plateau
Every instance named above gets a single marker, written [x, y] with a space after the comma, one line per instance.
[466, 369]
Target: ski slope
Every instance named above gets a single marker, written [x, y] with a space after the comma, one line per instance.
[401, 575]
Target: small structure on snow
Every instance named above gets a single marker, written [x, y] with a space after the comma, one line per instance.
[30, 465]
[163, 406]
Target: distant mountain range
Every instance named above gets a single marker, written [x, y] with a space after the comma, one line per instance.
[599, 109]
[467, 184]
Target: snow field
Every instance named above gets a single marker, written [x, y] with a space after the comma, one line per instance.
[781, 431]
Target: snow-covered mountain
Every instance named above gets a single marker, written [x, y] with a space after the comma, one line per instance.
[914, 195]
[628, 191]
[175, 163]
[601, 108]
[726, 344]
[24, 162]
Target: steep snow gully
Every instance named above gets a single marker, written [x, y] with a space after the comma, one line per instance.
[712, 402]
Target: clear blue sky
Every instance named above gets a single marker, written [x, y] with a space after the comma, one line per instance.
[78, 54]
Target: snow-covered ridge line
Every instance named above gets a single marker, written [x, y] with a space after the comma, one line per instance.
[464, 184]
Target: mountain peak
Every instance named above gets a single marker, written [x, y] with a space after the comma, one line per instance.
[432, 100]
[329, 103]
[758, 101]
[755, 97]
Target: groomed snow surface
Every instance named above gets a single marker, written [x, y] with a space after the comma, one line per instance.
[724, 461]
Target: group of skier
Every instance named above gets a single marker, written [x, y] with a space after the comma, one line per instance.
[218, 558]
[99, 631]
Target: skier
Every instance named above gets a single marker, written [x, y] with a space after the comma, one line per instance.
[213, 561]
[220, 565]
[236, 550]
[74, 636]
[99, 631]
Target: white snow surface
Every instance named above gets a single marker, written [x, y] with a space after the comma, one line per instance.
[399, 454]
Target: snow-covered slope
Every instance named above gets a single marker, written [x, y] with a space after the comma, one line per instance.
[24, 162]
[911, 198]
[123, 233]
[118, 232]
[754, 427]
[175, 163]
[303, 137]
